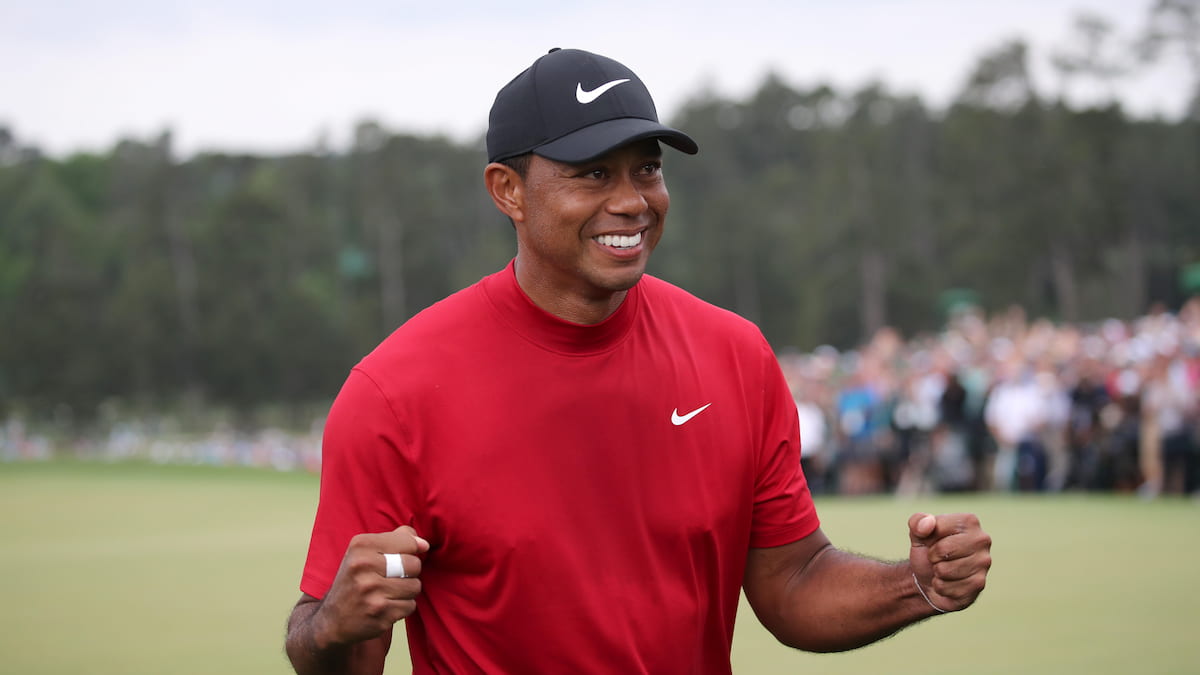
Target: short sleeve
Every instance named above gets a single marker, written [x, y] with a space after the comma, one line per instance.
[783, 506]
[367, 484]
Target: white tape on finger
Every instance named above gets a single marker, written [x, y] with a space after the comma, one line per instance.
[395, 566]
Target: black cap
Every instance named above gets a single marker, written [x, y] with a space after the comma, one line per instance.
[573, 106]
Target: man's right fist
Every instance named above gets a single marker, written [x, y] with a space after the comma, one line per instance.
[364, 601]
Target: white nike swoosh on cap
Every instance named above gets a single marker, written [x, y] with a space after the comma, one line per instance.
[586, 97]
[678, 419]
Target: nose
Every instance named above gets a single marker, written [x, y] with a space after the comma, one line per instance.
[626, 198]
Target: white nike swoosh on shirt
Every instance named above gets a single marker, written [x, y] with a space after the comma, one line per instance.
[586, 97]
[678, 419]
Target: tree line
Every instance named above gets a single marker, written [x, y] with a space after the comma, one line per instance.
[822, 215]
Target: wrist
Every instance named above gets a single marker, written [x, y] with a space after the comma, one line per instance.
[925, 596]
[320, 632]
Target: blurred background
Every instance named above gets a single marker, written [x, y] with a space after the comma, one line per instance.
[972, 233]
[970, 230]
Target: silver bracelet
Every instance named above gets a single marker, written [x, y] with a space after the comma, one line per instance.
[922, 592]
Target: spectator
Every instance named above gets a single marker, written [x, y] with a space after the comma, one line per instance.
[1016, 417]
[1168, 418]
[953, 470]
[1085, 432]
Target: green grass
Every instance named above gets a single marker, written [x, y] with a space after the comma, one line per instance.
[143, 569]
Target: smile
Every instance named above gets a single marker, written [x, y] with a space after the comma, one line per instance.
[619, 240]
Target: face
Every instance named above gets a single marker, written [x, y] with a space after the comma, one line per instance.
[587, 230]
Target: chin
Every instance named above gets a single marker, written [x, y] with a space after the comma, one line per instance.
[617, 276]
[625, 282]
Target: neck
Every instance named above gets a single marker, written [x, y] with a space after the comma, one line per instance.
[576, 307]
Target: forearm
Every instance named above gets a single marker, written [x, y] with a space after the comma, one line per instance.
[841, 601]
[311, 654]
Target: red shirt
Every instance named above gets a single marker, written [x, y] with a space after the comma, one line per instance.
[589, 492]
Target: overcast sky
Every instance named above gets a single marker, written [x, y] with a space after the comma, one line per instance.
[260, 76]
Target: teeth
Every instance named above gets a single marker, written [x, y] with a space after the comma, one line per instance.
[619, 241]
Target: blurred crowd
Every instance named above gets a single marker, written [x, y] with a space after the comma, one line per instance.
[988, 404]
[159, 440]
[1006, 404]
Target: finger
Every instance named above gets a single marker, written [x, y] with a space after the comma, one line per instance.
[393, 566]
[422, 544]
[948, 525]
[401, 540]
[958, 536]
[920, 527]
[397, 590]
[959, 592]
[400, 566]
[957, 569]
[964, 564]
[952, 547]
[401, 589]
[388, 610]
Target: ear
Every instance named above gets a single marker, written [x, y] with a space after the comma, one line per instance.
[507, 190]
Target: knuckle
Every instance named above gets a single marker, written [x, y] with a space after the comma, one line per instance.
[375, 606]
[360, 563]
[396, 610]
[406, 607]
[940, 569]
[938, 585]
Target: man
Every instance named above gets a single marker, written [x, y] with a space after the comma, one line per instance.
[575, 467]
[1017, 413]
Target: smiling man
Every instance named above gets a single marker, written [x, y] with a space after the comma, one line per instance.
[585, 230]
[572, 466]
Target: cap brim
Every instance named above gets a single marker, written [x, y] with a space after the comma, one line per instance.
[590, 142]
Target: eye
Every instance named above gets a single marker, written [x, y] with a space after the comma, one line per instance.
[593, 173]
[651, 168]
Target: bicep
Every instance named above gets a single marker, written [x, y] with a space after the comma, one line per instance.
[770, 571]
[367, 484]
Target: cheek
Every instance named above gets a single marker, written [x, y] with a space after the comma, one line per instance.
[652, 241]
[659, 200]
[561, 211]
